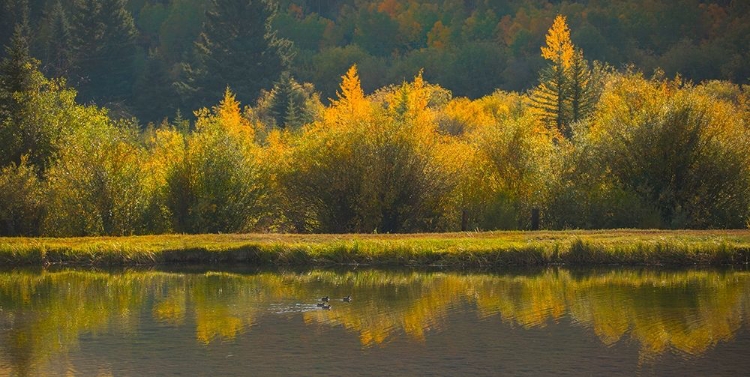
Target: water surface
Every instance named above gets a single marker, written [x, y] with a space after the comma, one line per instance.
[544, 322]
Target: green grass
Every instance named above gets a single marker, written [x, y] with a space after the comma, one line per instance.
[480, 249]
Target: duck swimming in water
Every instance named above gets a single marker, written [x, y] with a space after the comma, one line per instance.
[324, 299]
[347, 299]
[325, 307]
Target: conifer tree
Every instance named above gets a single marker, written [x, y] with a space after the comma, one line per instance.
[237, 48]
[12, 13]
[154, 94]
[17, 73]
[581, 87]
[288, 102]
[105, 46]
[18, 76]
[59, 49]
[551, 97]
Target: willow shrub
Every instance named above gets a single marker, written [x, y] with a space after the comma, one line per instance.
[98, 185]
[21, 201]
[507, 164]
[369, 166]
[678, 148]
[213, 179]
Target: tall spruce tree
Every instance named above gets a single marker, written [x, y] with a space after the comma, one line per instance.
[154, 94]
[12, 13]
[17, 73]
[581, 87]
[58, 51]
[105, 44]
[18, 76]
[237, 48]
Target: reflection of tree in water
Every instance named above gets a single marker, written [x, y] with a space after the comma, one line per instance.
[44, 315]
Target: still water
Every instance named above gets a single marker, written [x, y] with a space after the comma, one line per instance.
[544, 322]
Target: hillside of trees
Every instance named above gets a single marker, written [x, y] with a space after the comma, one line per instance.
[248, 128]
[143, 58]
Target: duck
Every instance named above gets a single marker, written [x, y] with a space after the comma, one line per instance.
[321, 304]
[325, 307]
[347, 299]
[324, 299]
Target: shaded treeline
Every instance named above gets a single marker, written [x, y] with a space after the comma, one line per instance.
[151, 57]
[590, 146]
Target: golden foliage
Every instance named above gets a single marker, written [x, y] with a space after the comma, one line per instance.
[559, 48]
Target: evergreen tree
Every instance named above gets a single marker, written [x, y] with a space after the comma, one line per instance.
[59, 49]
[18, 76]
[17, 73]
[288, 103]
[12, 13]
[580, 87]
[105, 45]
[154, 95]
[237, 48]
[87, 32]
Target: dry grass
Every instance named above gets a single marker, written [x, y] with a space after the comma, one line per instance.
[470, 249]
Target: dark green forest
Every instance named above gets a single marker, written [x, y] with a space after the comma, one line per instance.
[149, 58]
[184, 116]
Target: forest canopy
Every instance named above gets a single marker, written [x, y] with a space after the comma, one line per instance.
[135, 117]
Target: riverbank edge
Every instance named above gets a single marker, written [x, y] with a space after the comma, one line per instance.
[462, 250]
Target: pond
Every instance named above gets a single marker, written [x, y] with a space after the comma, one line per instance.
[551, 321]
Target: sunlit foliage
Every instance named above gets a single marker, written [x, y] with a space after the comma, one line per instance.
[679, 148]
[215, 182]
[98, 184]
[367, 166]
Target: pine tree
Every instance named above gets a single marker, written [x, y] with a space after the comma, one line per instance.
[288, 102]
[105, 44]
[154, 95]
[17, 73]
[18, 76]
[12, 13]
[236, 48]
[87, 32]
[59, 49]
[580, 87]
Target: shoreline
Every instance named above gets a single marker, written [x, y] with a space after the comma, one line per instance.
[453, 250]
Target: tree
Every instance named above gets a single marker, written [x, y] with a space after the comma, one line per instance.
[59, 47]
[12, 13]
[104, 40]
[21, 204]
[289, 104]
[98, 186]
[568, 88]
[17, 73]
[154, 95]
[678, 148]
[550, 98]
[236, 48]
[217, 184]
[582, 94]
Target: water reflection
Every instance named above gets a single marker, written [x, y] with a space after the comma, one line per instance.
[44, 315]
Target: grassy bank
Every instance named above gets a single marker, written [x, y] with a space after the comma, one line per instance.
[485, 249]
